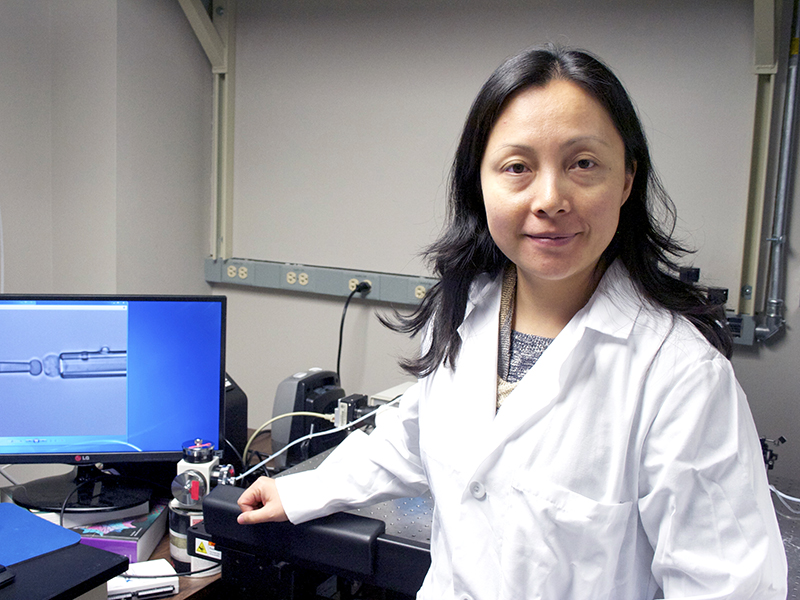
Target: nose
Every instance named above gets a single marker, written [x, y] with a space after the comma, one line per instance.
[549, 194]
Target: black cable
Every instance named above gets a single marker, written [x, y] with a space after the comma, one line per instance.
[362, 287]
[341, 335]
[251, 452]
[74, 490]
[236, 452]
[100, 477]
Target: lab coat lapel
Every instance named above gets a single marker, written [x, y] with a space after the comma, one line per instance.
[539, 389]
[476, 383]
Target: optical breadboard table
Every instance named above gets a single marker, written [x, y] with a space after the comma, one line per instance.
[386, 545]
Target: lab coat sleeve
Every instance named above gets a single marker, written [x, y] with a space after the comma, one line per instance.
[704, 498]
[364, 469]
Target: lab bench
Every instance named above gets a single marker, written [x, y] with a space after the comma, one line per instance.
[383, 536]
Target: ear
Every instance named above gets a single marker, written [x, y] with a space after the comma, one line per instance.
[630, 174]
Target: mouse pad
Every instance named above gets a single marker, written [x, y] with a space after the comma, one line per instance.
[24, 535]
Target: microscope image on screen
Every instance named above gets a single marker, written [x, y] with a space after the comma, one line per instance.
[63, 373]
[70, 365]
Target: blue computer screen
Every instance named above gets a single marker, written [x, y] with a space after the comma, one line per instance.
[128, 375]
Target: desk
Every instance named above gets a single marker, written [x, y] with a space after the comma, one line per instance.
[76, 570]
[64, 574]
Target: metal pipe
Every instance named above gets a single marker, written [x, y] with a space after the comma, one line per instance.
[774, 320]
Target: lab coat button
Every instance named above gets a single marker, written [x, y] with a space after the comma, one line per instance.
[477, 490]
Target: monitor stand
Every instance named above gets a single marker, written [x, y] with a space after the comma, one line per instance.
[88, 488]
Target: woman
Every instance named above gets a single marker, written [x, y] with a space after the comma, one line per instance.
[576, 419]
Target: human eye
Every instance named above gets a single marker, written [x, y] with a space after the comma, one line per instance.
[515, 168]
[584, 164]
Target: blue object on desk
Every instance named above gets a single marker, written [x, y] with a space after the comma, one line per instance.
[23, 535]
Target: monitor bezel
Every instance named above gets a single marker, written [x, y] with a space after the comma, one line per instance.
[115, 458]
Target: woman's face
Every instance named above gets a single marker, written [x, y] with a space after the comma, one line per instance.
[554, 179]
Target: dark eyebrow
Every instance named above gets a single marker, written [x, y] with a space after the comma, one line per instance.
[567, 144]
[594, 138]
[523, 147]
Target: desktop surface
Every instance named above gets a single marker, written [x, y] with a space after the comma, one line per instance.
[63, 574]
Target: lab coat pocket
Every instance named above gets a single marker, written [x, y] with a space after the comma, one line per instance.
[558, 544]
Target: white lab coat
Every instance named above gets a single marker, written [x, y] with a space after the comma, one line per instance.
[625, 462]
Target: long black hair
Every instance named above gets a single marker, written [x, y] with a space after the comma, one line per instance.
[465, 249]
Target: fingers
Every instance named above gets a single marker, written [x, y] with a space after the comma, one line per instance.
[262, 515]
[252, 497]
[272, 512]
[261, 503]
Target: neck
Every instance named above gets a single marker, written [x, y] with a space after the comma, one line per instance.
[544, 308]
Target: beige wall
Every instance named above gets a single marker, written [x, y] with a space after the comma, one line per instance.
[26, 144]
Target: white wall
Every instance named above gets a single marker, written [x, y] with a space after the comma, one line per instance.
[84, 134]
[163, 148]
[348, 114]
[26, 144]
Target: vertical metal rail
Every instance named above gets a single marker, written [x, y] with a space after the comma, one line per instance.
[216, 34]
[765, 67]
[774, 320]
[757, 191]
[224, 17]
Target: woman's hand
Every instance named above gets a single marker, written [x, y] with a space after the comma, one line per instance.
[261, 503]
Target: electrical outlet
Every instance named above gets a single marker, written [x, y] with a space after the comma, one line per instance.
[353, 278]
[291, 276]
[330, 281]
[237, 271]
[419, 288]
[353, 282]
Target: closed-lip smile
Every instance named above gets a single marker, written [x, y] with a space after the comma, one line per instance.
[551, 236]
[552, 239]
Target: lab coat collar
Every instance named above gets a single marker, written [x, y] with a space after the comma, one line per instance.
[612, 309]
[615, 304]
[484, 293]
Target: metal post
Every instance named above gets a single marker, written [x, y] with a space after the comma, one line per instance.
[774, 321]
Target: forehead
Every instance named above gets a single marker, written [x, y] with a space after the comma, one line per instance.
[560, 107]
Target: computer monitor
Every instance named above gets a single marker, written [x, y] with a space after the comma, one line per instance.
[106, 379]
